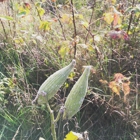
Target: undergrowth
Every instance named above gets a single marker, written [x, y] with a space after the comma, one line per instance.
[39, 37]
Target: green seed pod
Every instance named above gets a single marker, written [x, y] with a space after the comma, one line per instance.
[77, 95]
[50, 87]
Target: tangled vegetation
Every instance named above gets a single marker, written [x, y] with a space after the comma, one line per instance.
[39, 37]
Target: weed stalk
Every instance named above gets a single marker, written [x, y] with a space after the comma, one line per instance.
[74, 25]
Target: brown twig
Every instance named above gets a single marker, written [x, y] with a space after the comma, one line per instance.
[62, 29]
[131, 17]
[74, 25]
[90, 22]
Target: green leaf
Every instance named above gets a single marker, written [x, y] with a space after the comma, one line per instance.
[45, 25]
[41, 11]
[21, 14]
[6, 18]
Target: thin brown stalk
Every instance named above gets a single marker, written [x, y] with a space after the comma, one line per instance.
[74, 25]
[90, 22]
[131, 18]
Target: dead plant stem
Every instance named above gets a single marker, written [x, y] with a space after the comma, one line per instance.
[74, 25]
[90, 23]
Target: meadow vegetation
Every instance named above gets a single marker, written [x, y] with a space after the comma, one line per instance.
[39, 37]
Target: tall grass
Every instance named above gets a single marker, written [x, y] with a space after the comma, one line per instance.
[28, 55]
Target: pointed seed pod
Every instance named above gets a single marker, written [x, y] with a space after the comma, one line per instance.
[77, 95]
[50, 87]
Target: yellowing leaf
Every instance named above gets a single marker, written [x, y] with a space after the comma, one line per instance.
[112, 1]
[63, 51]
[45, 25]
[91, 48]
[21, 9]
[19, 40]
[66, 18]
[74, 136]
[117, 19]
[38, 4]
[79, 16]
[41, 11]
[108, 17]
[71, 76]
[115, 87]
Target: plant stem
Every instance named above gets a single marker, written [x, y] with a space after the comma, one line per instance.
[137, 94]
[6, 37]
[52, 122]
[90, 22]
[131, 17]
[74, 25]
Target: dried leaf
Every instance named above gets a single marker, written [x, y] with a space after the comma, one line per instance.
[118, 35]
[118, 77]
[103, 81]
[117, 19]
[115, 87]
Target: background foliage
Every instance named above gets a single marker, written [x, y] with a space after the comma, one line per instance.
[39, 37]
